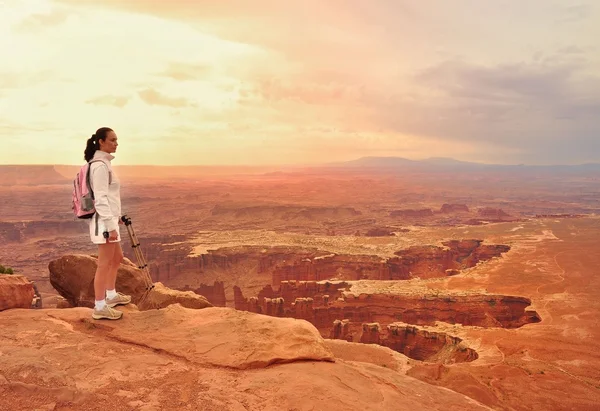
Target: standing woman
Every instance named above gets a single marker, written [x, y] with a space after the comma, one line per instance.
[107, 201]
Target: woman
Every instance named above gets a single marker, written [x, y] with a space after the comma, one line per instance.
[104, 226]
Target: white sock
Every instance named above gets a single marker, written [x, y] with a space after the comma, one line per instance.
[100, 304]
[111, 293]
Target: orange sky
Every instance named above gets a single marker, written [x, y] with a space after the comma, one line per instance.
[297, 82]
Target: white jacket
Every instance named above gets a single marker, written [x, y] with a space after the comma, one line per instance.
[107, 197]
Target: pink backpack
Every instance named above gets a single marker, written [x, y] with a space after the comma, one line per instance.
[83, 196]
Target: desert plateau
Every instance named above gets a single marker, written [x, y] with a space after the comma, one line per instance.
[346, 286]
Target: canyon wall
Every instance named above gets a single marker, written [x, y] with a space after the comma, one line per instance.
[331, 301]
[215, 294]
[418, 343]
[391, 320]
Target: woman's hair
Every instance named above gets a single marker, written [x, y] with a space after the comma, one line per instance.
[93, 144]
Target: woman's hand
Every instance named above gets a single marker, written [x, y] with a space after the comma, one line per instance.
[113, 235]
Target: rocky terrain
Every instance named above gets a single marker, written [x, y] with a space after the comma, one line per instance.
[459, 290]
[209, 359]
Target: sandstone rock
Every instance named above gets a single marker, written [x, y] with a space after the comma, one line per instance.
[379, 232]
[215, 293]
[73, 277]
[162, 296]
[62, 303]
[494, 213]
[454, 208]
[371, 353]
[16, 291]
[177, 358]
[226, 337]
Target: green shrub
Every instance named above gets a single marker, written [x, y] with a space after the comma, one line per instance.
[6, 270]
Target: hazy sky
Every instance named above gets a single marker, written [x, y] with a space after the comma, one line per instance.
[301, 81]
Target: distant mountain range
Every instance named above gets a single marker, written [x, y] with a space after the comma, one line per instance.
[14, 175]
[18, 175]
[450, 164]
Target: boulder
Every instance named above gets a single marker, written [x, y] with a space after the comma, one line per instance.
[16, 291]
[73, 277]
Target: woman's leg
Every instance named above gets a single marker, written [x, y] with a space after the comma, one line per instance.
[113, 298]
[115, 262]
[105, 257]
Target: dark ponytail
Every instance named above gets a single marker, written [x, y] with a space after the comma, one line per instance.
[93, 143]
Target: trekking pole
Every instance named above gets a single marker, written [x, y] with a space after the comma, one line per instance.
[142, 264]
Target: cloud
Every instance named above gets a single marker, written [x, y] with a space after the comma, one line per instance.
[527, 107]
[16, 80]
[154, 98]
[40, 21]
[110, 100]
[186, 72]
[338, 76]
[574, 13]
[306, 91]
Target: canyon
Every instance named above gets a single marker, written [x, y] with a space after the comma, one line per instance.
[469, 285]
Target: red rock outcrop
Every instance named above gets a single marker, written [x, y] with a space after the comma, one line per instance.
[215, 293]
[417, 343]
[16, 291]
[493, 213]
[379, 232]
[416, 261]
[471, 309]
[454, 208]
[161, 296]
[322, 293]
[341, 330]
[167, 264]
[279, 263]
[73, 277]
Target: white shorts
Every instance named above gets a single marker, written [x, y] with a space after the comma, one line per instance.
[99, 239]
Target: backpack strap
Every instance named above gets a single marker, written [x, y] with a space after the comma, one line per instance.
[88, 175]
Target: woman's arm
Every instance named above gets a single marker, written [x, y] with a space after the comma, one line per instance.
[100, 181]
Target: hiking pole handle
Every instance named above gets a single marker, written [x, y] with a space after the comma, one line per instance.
[126, 220]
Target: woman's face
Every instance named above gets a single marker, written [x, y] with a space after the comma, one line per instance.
[110, 144]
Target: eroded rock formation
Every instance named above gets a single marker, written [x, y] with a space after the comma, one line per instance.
[470, 309]
[454, 208]
[493, 213]
[16, 291]
[380, 232]
[283, 263]
[384, 318]
[416, 261]
[321, 292]
[417, 343]
[215, 293]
